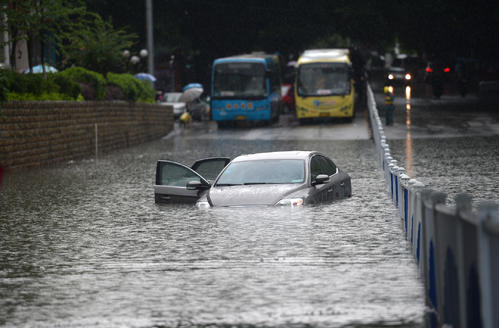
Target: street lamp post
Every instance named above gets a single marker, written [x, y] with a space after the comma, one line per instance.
[150, 40]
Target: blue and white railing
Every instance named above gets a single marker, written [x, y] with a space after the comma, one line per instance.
[456, 248]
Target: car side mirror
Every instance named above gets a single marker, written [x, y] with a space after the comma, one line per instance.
[196, 185]
[320, 179]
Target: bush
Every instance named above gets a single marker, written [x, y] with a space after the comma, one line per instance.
[38, 97]
[73, 84]
[133, 89]
[3, 86]
[67, 86]
[92, 79]
[146, 91]
[31, 83]
[36, 87]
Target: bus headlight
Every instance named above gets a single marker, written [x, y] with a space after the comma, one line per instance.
[390, 76]
[293, 202]
[408, 76]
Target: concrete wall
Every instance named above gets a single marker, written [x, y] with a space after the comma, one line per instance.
[43, 133]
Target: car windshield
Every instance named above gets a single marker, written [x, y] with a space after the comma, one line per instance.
[271, 171]
[239, 80]
[323, 79]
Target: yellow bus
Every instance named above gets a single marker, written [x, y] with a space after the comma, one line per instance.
[324, 85]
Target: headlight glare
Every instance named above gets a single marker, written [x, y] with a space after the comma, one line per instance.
[390, 76]
[408, 76]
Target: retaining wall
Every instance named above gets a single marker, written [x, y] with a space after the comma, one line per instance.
[46, 132]
[455, 247]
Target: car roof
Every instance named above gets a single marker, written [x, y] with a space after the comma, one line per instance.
[275, 155]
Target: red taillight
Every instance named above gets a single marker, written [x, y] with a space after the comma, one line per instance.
[447, 70]
[429, 70]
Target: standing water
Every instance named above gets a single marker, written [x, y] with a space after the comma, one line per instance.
[84, 245]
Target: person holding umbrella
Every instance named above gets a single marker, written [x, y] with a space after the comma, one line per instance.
[190, 93]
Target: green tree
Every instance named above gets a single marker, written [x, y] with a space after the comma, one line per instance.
[40, 21]
[98, 46]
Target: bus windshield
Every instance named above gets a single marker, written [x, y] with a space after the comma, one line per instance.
[239, 80]
[323, 79]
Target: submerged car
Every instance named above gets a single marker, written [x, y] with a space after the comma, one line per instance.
[288, 178]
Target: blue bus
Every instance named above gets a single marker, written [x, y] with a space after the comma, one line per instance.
[246, 88]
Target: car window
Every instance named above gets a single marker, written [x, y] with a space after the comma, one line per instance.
[321, 165]
[328, 165]
[278, 171]
[315, 167]
[209, 169]
[173, 174]
[172, 97]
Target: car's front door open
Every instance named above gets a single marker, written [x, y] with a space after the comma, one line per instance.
[171, 183]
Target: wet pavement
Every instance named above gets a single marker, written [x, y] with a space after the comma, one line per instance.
[83, 244]
[450, 144]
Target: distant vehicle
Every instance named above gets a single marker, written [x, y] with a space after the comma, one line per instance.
[246, 87]
[172, 98]
[397, 73]
[288, 98]
[324, 85]
[287, 178]
[437, 73]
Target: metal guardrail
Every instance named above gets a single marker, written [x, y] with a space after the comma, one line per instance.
[456, 249]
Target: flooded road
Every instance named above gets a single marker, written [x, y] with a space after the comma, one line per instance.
[84, 245]
[450, 144]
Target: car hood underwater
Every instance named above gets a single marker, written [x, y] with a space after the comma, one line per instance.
[251, 195]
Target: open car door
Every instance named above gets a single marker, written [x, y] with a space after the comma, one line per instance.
[172, 179]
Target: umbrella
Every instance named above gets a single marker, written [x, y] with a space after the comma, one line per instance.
[193, 85]
[145, 77]
[191, 92]
[39, 69]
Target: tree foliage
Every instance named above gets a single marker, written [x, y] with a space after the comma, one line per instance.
[40, 20]
[82, 37]
[98, 46]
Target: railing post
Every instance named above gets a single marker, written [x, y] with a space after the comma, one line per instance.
[416, 219]
[489, 263]
[430, 199]
[467, 228]
[404, 208]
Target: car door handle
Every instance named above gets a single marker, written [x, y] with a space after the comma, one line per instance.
[342, 184]
[330, 190]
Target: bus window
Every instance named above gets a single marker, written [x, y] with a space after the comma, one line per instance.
[323, 79]
[239, 80]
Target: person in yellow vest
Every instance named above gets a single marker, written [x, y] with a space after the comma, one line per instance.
[389, 106]
[185, 119]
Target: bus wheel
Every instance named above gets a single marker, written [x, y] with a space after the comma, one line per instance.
[222, 124]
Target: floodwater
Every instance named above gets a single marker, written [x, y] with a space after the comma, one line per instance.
[450, 144]
[84, 245]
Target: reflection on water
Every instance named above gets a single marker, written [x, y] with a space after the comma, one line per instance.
[85, 245]
[408, 138]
